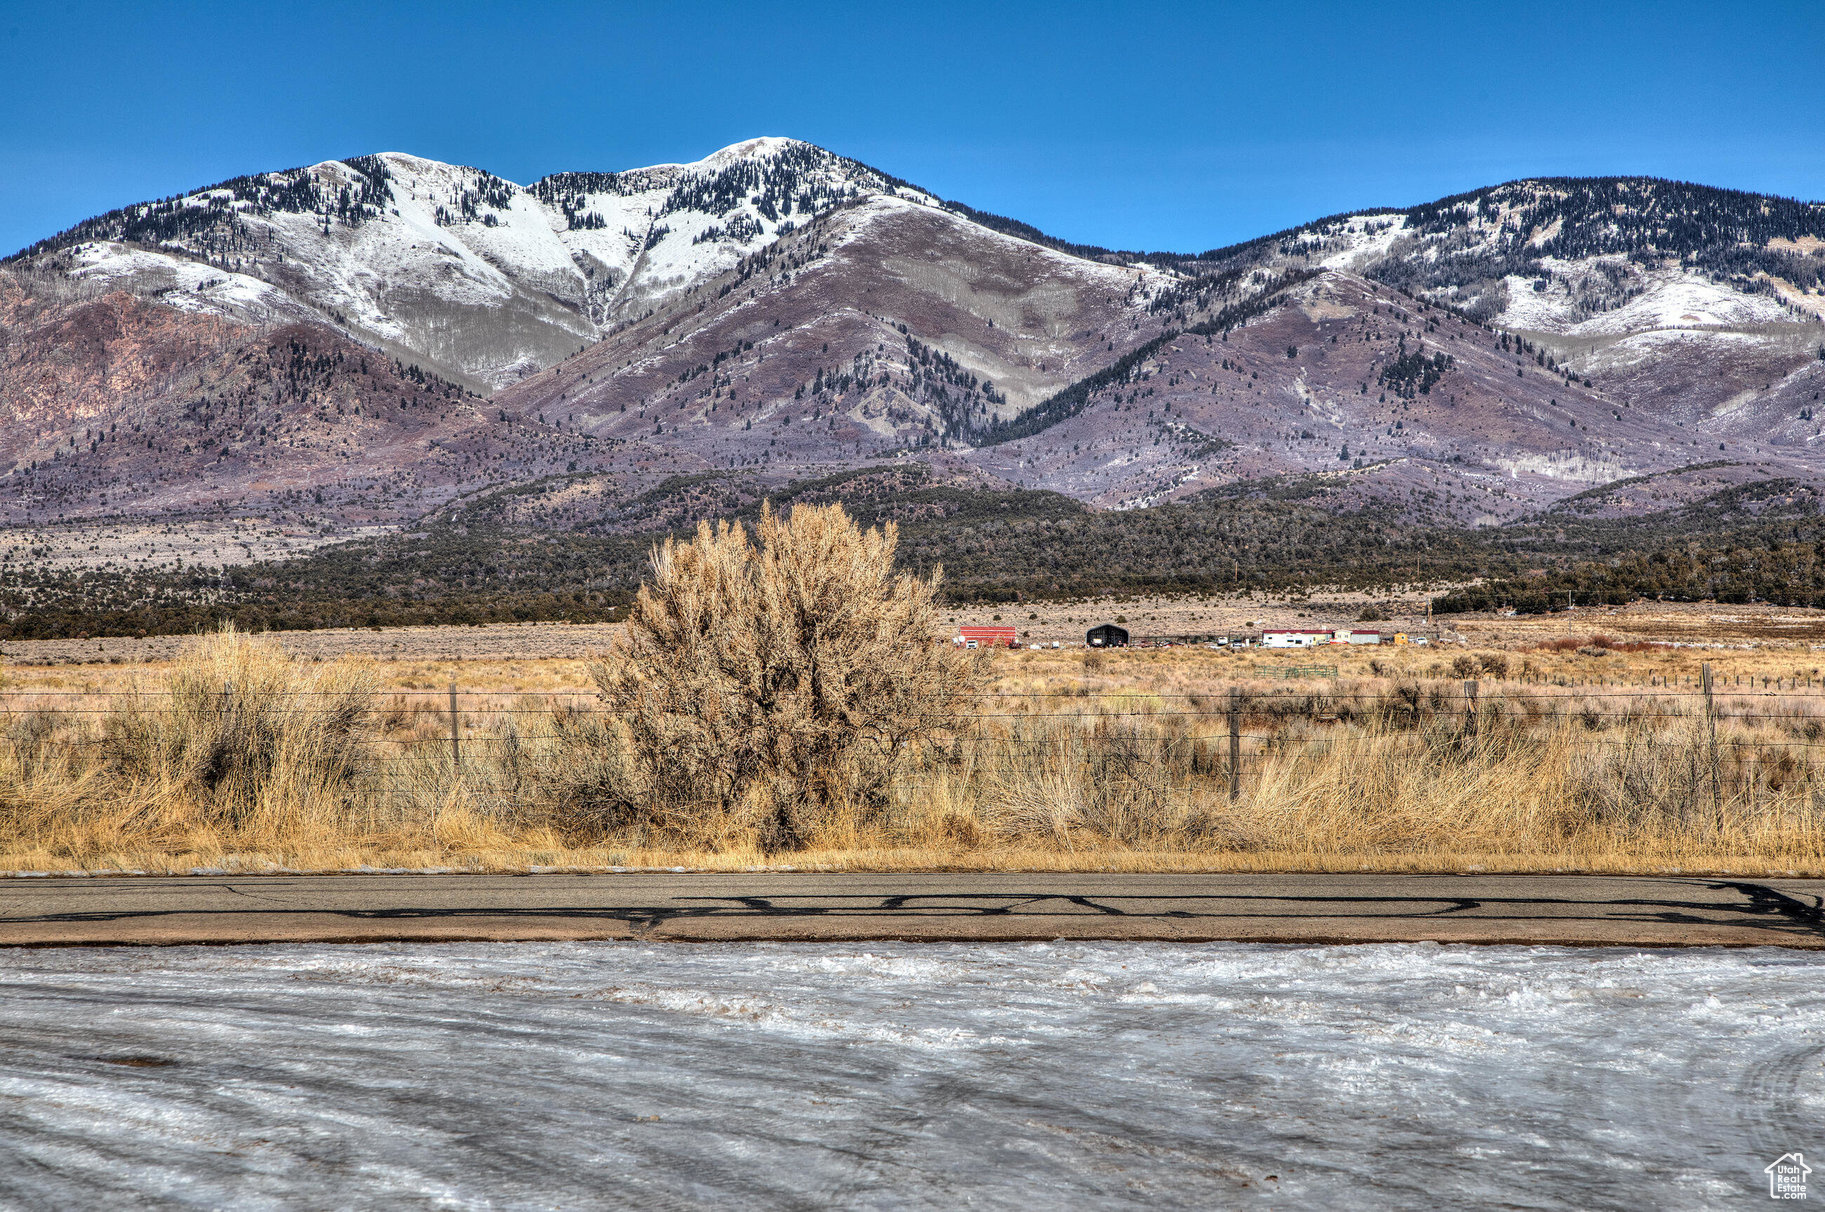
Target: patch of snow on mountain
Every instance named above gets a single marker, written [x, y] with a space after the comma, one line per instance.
[1560, 468]
[1669, 299]
[1361, 239]
[1660, 344]
[702, 239]
[183, 283]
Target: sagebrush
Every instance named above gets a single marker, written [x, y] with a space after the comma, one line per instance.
[778, 683]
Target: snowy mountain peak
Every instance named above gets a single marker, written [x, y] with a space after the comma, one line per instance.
[753, 149]
[478, 277]
[1594, 243]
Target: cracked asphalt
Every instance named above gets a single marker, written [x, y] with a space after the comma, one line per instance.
[1648, 911]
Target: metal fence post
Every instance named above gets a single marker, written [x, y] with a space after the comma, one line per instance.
[1235, 744]
[456, 737]
[1711, 738]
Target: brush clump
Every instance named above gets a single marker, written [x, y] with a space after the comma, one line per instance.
[244, 737]
[771, 689]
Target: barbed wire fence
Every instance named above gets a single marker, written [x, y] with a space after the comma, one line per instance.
[422, 743]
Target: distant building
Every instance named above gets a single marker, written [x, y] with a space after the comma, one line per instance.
[986, 637]
[1107, 635]
[1294, 637]
[1354, 636]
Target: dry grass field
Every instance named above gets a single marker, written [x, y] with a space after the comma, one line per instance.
[1590, 750]
[1739, 640]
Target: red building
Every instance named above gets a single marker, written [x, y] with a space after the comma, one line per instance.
[986, 637]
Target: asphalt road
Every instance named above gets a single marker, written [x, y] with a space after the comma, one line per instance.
[1569, 909]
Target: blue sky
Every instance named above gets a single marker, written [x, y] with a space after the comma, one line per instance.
[1133, 125]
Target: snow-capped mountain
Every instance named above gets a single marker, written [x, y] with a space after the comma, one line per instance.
[884, 325]
[776, 311]
[1560, 253]
[1621, 277]
[469, 275]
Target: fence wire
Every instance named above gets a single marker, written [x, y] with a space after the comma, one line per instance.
[421, 741]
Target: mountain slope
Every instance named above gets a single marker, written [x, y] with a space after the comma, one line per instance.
[121, 407]
[883, 325]
[1339, 374]
[1681, 298]
[370, 341]
[473, 277]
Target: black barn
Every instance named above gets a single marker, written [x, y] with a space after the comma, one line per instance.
[1107, 635]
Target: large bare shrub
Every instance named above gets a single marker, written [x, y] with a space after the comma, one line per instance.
[770, 689]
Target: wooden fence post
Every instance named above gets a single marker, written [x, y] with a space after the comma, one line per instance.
[456, 738]
[1470, 687]
[1235, 744]
[1711, 735]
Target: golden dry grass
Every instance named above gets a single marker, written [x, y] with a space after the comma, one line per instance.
[1082, 762]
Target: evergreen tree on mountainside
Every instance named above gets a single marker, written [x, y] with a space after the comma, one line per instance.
[212, 226]
[1461, 249]
[1763, 541]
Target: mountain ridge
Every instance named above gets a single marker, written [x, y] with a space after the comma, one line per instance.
[778, 312]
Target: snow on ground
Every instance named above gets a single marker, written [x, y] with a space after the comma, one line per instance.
[1671, 299]
[1361, 239]
[906, 1076]
[1666, 343]
[189, 285]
